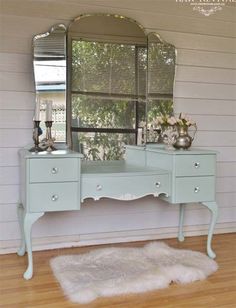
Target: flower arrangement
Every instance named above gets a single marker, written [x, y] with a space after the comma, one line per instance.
[168, 130]
[164, 120]
[184, 121]
[172, 129]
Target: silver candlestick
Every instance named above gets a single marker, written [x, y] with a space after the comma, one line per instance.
[49, 140]
[36, 148]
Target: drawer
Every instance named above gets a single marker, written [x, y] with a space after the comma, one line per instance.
[54, 170]
[54, 197]
[124, 187]
[194, 189]
[194, 165]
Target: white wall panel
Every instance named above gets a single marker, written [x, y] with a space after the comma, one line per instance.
[226, 199]
[205, 89]
[205, 106]
[206, 74]
[9, 175]
[12, 62]
[16, 119]
[172, 7]
[226, 153]
[15, 137]
[215, 138]
[199, 41]
[206, 58]
[17, 100]
[215, 123]
[11, 81]
[9, 157]
[9, 194]
[226, 169]
[226, 184]
[15, 44]
[27, 27]
[8, 212]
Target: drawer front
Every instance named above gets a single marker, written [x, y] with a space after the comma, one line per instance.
[194, 165]
[54, 197]
[195, 189]
[54, 170]
[124, 187]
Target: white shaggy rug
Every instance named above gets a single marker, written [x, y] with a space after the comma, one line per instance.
[113, 271]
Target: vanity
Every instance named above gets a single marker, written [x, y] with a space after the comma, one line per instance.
[100, 82]
[61, 181]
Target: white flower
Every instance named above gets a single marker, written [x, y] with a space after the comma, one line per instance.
[172, 121]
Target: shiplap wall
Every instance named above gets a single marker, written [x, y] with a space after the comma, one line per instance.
[205, 89]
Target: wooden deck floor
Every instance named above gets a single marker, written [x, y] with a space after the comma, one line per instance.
[219, 290]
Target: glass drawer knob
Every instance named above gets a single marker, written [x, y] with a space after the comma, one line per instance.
[54, 198]
[196, 189]
[54, 170]
[158, 184]
[99, 187]
[197, 165]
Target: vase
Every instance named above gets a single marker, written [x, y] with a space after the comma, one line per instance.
[184, 140]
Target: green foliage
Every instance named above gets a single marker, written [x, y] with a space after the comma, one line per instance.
[107, 81]
[157, 107]
[104, 146]
[161, 68]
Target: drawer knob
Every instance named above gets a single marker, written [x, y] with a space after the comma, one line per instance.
[99, 187]
[196, 189]
[158, 184]
[197, 165]
[54, 198]
[54, 170]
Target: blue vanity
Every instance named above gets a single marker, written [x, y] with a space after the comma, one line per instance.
[61, 181]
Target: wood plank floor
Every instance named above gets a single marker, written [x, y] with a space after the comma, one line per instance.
[219, 290]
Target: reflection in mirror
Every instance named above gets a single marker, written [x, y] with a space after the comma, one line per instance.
[108, 84]
[161, 74]
[49, 51]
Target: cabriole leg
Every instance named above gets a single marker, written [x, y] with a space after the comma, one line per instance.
[212, 206]
[21, 214]
[30, 218]
[181, 222]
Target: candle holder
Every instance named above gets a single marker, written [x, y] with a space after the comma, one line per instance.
[49, 140]
[36, 148]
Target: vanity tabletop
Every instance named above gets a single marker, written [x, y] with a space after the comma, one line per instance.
[62, 153]
[192, 150]
[117, 168]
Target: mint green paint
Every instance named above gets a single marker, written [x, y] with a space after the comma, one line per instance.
[181, 222]
[51, 197]
[29, 220]
[212, 206]
[21, 215]
[56, 182]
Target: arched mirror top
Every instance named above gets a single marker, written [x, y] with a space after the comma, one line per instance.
[119, 78]
[108, 27]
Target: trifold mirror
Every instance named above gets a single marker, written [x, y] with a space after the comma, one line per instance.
[107, 81]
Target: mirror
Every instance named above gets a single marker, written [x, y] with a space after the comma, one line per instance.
[108, 84]
[118, 80]
[161, 74]
[49, 51]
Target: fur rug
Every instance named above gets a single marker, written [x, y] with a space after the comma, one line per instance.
[113, 271]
